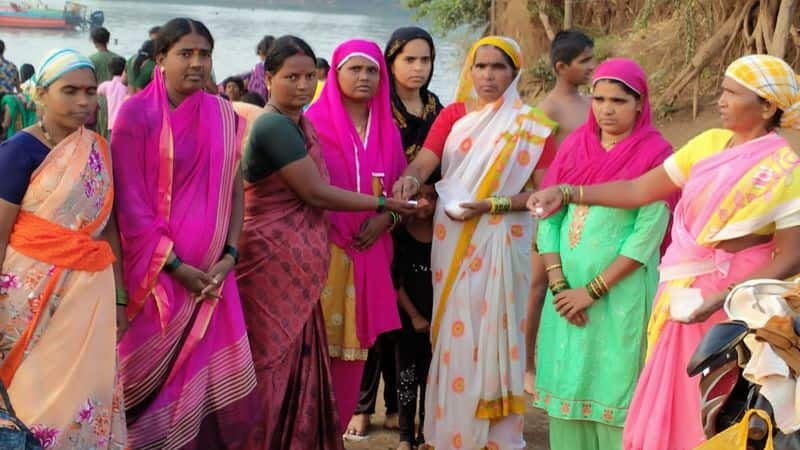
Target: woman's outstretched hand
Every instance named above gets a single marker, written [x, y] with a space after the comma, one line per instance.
[405, 188]
[401, 207]
[545, 203]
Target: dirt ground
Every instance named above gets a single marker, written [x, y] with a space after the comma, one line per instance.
[381, 439]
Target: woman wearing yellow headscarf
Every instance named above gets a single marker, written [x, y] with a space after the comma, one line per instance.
[738, 219]
[491, 146]
[58, 241]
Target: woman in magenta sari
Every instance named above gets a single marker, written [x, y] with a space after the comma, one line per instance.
[186, 364]
[364, 153]
[738, 219]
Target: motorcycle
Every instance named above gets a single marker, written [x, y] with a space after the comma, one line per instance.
[722, 355]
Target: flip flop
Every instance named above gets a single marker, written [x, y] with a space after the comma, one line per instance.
[352, 436]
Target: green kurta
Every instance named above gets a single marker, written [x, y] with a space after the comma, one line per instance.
[100, 61]
[590, 373]
[16, 112]
[145, 73]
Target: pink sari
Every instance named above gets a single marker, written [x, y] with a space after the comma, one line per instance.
[186, 364]
[728, 195]
[356, 165]
[352, 165]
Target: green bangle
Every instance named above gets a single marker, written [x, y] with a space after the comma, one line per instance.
[395, 220]
[381, 203]
[231, 250]
[173, 265]
[122, 297]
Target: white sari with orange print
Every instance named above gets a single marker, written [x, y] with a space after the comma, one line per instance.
[475, 396]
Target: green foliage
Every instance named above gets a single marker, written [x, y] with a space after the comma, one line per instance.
[541, 72]
[447, 15]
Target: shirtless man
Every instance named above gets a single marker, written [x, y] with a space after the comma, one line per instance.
[572, 57]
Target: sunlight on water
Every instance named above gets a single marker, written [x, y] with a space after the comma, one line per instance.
[236, 31]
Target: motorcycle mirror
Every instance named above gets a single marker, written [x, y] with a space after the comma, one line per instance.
[720, 339]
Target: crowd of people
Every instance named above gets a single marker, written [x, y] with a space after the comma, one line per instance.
[278, 243]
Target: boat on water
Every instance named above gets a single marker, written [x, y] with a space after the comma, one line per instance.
[73, 16]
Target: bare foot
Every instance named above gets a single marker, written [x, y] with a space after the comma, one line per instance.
[404, 445]
[357, 428]
[530, 381]
[392, 422]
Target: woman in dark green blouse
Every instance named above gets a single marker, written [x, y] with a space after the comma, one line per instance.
[139, 70]
[284, 257]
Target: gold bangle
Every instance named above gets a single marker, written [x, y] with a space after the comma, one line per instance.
[603, 283]
[553, 267]
[493, 205]
[580, 195]
[566, 194]
[590, 288]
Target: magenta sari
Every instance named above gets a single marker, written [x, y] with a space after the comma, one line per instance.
[356, 165]
[185, 364]
[352, 165]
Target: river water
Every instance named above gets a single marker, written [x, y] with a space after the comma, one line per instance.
[236, 32]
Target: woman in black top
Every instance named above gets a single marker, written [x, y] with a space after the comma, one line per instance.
[409, 54]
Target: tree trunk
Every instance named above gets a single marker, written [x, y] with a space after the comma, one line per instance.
[546, 24]
[567, 14]
[780, 38]
[705, 54]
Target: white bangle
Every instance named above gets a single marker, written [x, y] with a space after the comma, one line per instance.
[414, 179]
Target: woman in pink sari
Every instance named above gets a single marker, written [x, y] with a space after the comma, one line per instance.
[364, 153]
[738, 218]
[186, 363]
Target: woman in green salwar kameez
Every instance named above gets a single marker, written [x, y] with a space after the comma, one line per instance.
[602, 266]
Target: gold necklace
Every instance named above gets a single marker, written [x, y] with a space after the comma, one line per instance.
[46, 134]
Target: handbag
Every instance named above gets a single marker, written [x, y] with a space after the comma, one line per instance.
[735, 436]
[14, 435]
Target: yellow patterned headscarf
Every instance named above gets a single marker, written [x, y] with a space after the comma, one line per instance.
[509, 46]
[772, 79]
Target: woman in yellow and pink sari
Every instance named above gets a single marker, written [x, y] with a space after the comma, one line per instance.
[185, 362]
[57, 232]
[738, 219]
[491, 147]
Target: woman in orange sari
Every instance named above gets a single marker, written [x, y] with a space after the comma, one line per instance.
[57, 319]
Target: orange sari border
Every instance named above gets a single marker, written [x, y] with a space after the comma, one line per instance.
[148, 284]
[501, 407]
[45, 241]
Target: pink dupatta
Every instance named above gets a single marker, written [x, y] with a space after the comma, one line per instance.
[583, 160]
[352, 165]
[176, 171]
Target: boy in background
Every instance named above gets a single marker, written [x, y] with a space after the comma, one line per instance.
[113, 90]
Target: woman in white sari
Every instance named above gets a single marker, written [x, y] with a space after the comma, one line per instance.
[491, 147]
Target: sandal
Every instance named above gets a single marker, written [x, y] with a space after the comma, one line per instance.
[357, 428]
